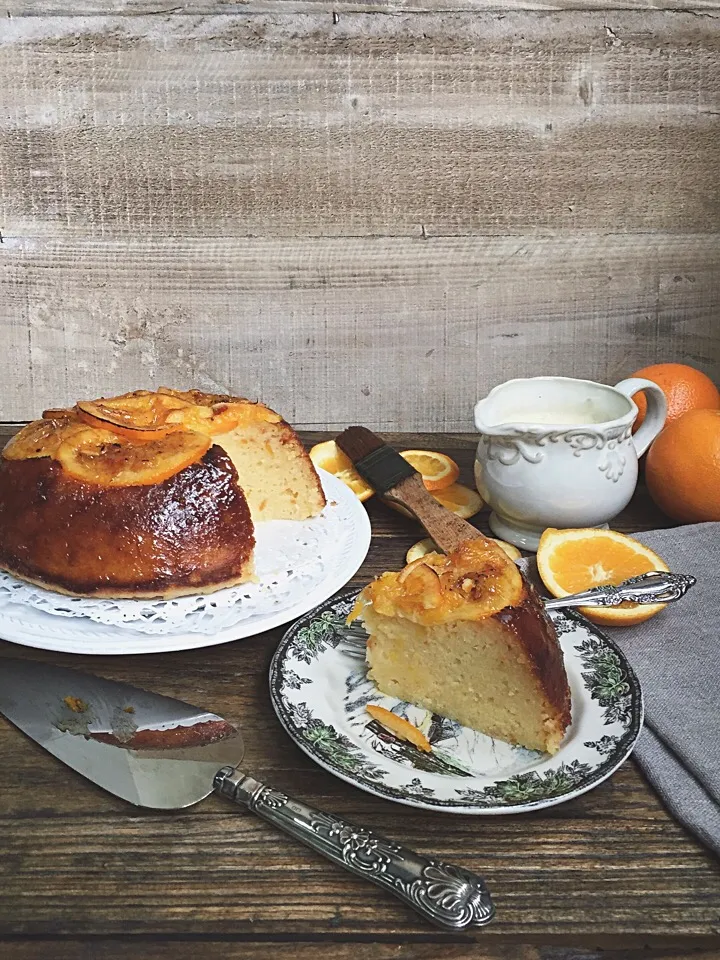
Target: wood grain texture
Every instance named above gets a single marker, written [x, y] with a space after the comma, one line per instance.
[330, 8]
[419, 124]
[607, 870]
[385, 332]
[238, 948]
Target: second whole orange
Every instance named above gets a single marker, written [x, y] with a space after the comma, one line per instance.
[682, 470]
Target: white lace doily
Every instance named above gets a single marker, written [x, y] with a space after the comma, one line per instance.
[291, 559]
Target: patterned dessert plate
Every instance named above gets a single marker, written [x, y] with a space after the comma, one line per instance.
[320, 693]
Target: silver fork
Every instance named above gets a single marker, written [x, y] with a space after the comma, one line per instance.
[653, 587]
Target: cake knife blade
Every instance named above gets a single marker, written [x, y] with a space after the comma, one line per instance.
[158, 752]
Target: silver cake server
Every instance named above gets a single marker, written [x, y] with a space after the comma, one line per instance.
[154, 751]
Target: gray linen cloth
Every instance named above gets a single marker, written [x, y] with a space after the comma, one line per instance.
[676, 656]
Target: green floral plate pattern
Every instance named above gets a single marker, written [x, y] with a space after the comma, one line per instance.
[320, 694]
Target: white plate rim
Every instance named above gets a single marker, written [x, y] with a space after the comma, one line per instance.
[132, 643]
[603, 771]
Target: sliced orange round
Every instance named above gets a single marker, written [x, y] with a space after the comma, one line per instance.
[461, 500]
[570, 561]
[137, 416]
[328, 456]
[457, 498]
[103, 458]
[437, 470]
[222, 417]
[41, 438]
[423, 547]
[399, 727]
[59, 413]
[92, 415]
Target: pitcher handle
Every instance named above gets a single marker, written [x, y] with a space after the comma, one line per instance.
[656, 410]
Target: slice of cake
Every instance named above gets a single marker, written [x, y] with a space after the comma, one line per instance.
[466, 637]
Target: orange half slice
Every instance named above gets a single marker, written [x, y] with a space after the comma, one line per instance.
[137, 416]
[570, 561]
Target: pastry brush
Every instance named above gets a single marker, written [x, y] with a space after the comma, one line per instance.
[394, 479]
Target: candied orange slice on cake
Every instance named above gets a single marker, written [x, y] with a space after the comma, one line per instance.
[139, 416]
[570, 561]
[328, 456]
[215, 413]
[102, 457]
[60, 413]
[437, 470]
[41, 438]
[423, 547]
[399, 727]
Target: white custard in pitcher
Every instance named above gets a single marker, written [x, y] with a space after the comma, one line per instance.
[545, 405]
[560, 417]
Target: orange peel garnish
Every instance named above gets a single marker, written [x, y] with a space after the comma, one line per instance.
[399, 727]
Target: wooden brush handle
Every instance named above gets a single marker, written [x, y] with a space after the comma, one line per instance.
[444, 527]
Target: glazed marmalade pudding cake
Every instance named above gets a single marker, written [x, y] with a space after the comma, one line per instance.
[466, 636]
[150, 494]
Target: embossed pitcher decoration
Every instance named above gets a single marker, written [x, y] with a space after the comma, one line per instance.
[558, 452]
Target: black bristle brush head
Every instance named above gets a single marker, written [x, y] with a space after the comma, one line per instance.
[374, 460]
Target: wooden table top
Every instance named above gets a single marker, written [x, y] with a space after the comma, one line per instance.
[83, 874]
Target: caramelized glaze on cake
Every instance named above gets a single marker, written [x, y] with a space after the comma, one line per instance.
[149, 494]
[184, 535]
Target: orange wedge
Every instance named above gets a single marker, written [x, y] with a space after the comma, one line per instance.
[423, 547]
[437, 470]
[328, 456]
[399, 727]
[570, 561]
[102, 457]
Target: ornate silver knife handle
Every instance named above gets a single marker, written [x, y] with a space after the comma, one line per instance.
[653, 587]
[448, 896]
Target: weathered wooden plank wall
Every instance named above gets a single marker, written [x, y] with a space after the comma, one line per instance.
[365, 216]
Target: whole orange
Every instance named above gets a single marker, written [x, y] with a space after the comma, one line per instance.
[683, 467]
[685, 388]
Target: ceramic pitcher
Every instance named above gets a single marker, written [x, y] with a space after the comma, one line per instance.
[558, 452]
